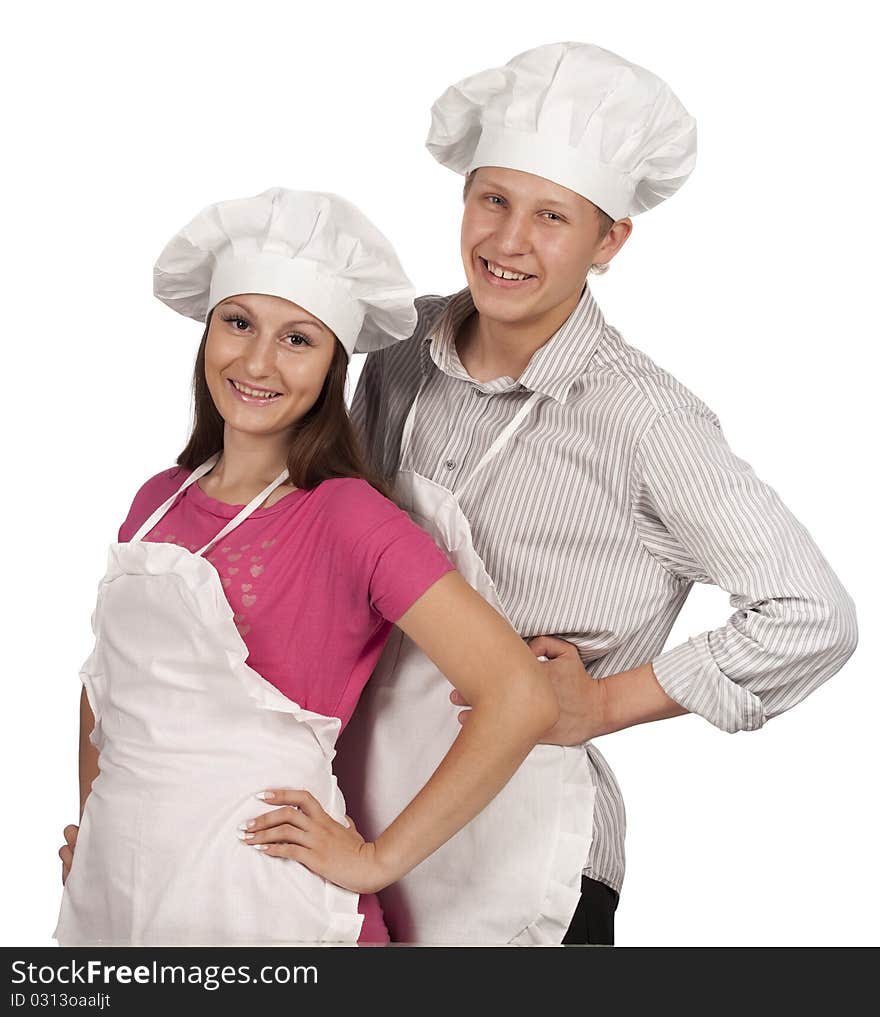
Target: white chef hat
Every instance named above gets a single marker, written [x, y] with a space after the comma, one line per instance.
[317, 250]
[576, 114]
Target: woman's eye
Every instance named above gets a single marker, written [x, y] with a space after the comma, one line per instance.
[298, 339]
[553, 217]
[233, 319]
[495, 200]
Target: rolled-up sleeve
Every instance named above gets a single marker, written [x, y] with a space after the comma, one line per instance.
[706, 517]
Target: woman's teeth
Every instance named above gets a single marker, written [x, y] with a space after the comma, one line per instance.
[503, 273]
[257, 393]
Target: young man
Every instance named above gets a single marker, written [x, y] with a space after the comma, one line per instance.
[615, 489]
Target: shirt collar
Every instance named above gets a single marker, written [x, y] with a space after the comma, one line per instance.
[553, 368]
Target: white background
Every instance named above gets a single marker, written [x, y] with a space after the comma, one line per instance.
[756, 285]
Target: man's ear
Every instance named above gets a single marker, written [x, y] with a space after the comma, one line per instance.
[614, 239]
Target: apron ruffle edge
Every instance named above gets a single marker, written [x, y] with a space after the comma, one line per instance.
[344, 921]
[203, 581]
[563, 888]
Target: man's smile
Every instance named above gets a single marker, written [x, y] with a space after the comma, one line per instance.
[500, 275]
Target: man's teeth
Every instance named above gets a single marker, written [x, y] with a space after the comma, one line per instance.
[259, 393]
[502, 273]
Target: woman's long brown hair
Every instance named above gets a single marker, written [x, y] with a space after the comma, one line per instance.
[323, 443]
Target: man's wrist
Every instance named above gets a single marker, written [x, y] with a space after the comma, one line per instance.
[600, 709]
[633, 697]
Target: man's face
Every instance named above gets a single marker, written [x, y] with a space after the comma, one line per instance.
[543, 234]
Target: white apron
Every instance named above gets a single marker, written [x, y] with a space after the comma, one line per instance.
[187, 734]
[513, 874]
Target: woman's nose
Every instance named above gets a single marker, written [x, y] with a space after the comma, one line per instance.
[260, 357]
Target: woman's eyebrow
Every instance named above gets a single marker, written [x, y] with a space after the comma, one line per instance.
[237, 304]
[234, 305]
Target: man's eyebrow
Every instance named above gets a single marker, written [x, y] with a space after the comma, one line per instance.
[558, 202]
[493, 184]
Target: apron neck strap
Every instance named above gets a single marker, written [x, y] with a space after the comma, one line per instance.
[491, 452]
[500, 441]
[200, 471]
[406, 437]
[253, 504]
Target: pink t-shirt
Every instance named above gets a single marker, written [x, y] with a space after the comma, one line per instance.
[315, 582]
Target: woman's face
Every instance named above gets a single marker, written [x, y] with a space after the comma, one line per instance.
[266, 360]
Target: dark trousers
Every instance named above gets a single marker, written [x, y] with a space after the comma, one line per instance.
[593, 920]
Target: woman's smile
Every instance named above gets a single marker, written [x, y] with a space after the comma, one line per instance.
[251, 394]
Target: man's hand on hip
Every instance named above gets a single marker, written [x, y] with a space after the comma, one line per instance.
[581, 700]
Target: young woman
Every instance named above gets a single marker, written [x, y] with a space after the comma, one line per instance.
[246, 602]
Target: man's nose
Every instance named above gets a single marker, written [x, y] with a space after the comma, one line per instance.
[513, 235]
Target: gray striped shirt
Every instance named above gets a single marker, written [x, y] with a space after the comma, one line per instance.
[617, 493]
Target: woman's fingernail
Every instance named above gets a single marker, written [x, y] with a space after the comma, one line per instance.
[247, 825]
[266, 795]
[242, 835]
[259, 847]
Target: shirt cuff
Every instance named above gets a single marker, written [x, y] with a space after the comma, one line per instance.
[689, 675]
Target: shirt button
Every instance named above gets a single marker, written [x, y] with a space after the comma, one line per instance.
[450, 464]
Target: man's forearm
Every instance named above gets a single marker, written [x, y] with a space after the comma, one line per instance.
[633, 697]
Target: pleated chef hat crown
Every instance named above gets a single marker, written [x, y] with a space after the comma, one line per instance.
[576, 114]
[317, 250]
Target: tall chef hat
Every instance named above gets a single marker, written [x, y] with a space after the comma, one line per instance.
[315, 249]
[576, 114]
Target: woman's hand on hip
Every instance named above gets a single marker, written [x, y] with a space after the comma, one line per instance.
[301, 831]
[66, 853]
